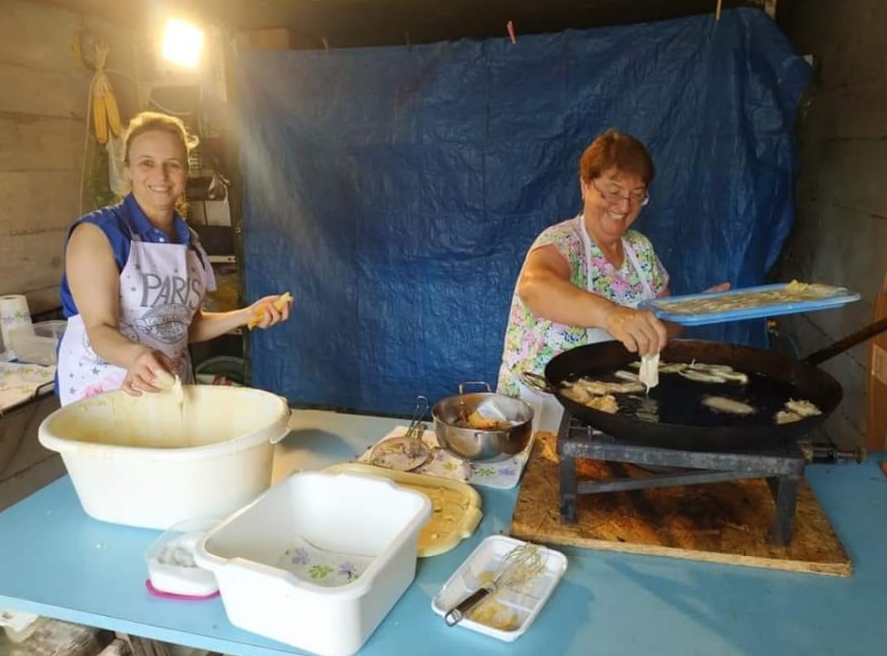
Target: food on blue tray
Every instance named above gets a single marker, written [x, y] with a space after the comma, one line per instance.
[793, 292]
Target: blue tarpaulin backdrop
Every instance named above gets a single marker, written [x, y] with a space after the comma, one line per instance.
[395, 191]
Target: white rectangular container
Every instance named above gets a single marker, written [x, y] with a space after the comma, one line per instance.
[318, 560]
[511, 612]
[36, 344]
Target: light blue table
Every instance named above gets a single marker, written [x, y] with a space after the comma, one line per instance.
[57, 562]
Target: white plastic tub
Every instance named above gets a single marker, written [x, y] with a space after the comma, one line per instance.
[37, 344]
[150, 461]
[510, 613]
[318, 560]
[171, 566]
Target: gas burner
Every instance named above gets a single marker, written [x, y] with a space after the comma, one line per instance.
[782, 468]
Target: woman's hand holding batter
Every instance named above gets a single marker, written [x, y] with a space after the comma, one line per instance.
[639, 330]
[145, 372]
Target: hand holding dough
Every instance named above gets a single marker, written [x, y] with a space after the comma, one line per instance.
[170, 384]
[165, 380]
[259, 312]
[649, 373]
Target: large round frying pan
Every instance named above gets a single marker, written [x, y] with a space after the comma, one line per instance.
[683, 421]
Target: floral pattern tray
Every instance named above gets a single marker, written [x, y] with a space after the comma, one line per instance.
[502, 472]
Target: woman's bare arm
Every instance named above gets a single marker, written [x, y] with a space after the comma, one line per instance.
[545, 286]
[95, 285]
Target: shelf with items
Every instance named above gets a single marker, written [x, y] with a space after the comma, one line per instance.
[226, 297]
[209, 214]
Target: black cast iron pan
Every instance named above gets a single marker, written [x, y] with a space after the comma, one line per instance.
[683, 422]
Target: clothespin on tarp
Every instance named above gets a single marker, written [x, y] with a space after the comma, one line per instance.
[510, 27]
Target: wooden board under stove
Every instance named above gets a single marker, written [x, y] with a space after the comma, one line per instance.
[717, 522]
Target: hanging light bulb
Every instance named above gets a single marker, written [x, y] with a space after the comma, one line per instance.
[182, 43]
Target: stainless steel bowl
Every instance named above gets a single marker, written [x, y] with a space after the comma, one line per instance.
[455, 434]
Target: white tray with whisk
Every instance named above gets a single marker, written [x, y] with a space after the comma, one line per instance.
[508, 614]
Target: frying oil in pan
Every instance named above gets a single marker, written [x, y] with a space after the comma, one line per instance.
[679, 401]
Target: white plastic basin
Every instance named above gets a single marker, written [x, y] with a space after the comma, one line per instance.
[152, 462]
[318, 560]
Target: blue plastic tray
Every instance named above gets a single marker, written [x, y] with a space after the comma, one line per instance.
[749, 303]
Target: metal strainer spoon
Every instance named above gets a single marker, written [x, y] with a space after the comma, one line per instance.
[405, 452]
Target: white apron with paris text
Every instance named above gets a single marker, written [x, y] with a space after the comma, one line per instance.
[547, 409]
[162, 286]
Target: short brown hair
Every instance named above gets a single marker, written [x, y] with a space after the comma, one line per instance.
[616, 149]
[151, 121]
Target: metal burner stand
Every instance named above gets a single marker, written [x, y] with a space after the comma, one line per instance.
[783, 471]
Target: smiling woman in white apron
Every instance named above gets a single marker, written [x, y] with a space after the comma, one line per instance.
[135, 277]
[583, 278]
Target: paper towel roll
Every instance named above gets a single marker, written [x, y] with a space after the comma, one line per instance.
[4, 354]
[14, 313]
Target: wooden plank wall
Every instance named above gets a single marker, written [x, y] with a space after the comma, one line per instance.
[840, 234]
[43, 139]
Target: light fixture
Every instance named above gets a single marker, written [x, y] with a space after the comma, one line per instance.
[182, 43]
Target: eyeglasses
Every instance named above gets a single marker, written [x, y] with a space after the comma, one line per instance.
[614, 197]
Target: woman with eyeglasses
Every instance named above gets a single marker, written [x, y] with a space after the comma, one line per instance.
[583, 278]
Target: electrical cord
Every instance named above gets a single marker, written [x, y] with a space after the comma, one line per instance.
[156, 104]
[83, 168]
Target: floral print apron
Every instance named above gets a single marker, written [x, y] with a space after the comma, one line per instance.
[547, 409]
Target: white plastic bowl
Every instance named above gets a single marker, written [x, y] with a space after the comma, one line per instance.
[149, 461]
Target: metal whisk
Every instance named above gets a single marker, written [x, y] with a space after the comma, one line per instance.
[519, 566]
